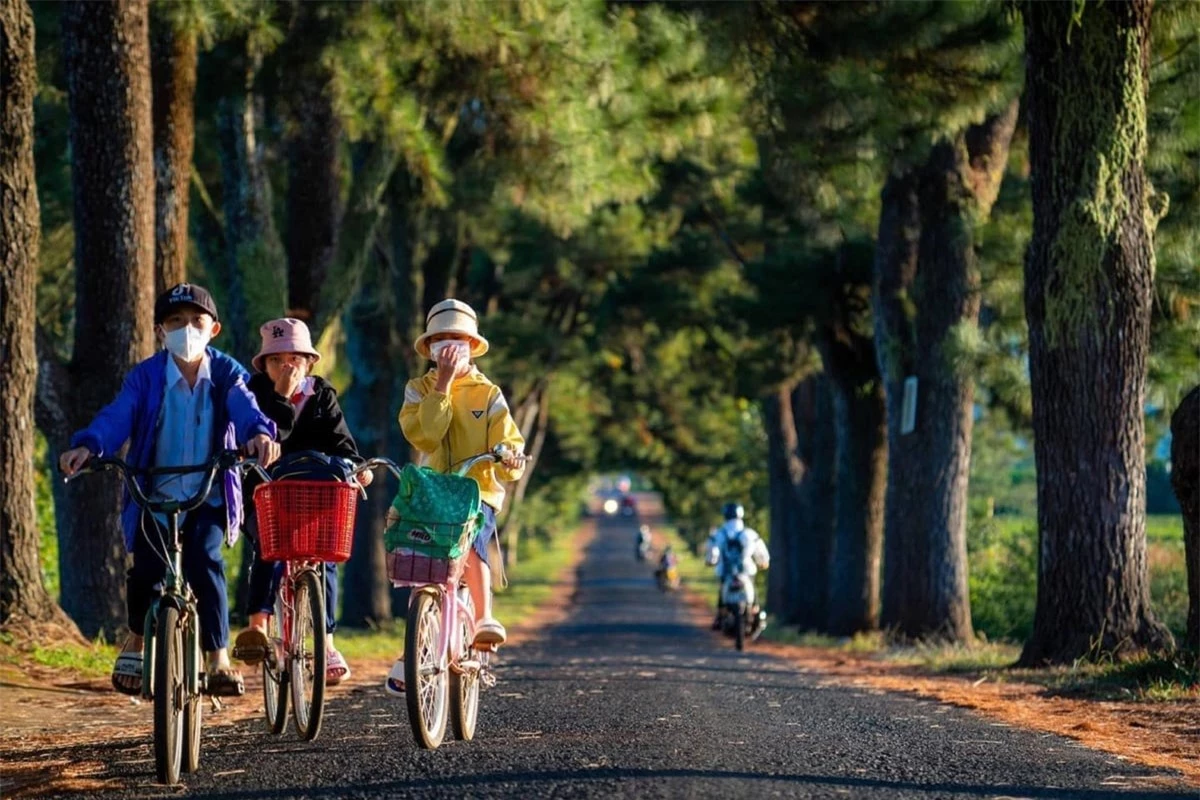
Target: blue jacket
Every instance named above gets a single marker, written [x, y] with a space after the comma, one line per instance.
[134, 417]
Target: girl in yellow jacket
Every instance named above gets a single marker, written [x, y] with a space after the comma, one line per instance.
[453, 412]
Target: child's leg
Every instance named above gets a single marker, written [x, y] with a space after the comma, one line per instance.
[204, 568]
[331, 599]
[264, 577]
[479, 584]
[141, 585]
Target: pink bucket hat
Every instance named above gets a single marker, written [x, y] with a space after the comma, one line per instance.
[285, 335]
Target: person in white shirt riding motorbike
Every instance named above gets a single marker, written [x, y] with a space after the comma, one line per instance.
[722, 550]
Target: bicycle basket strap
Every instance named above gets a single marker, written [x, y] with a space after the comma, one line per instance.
[433, 513]
[309, 465]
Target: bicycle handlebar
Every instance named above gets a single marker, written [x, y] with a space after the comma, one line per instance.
[226, 459]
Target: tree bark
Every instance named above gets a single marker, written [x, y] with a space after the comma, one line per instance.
[1185, 480]
[809, 566]
[927, 299]
[314, 203]
[173, 71]
[860, 423]
[1088, 283]
[784, 473]
[106, 52]
[379, 326]
[254, 269]
[23, 594]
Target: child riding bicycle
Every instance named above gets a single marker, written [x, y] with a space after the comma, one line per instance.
[177, 408]
[450, 414]
[305, 410]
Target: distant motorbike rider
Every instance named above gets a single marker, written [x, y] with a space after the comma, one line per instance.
[735, 549]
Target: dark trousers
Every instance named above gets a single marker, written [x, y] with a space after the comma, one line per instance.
[265, 577]
[201, 536]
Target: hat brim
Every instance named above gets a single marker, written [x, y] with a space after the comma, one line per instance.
[479, 345]
[257, 361]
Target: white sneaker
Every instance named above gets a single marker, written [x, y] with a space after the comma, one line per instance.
[394, 685]
[490, 632]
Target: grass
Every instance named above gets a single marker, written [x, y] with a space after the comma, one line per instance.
[84, 660]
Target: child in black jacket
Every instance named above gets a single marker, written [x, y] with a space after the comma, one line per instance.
[307, 415]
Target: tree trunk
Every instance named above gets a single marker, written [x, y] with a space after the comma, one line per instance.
[784, 473]
[1088, 283]
[314, 206]
[859, 420]
[516, 495]
[173, 71]
[1185, 479]
[255, 275]
[808, 570]
[379, 327]
[23, 594]
[106, 51]
[927, 298]
[356, 235]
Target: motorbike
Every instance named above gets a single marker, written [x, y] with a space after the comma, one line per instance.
[739, 616]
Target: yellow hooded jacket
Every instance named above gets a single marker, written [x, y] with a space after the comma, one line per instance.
[449, 429]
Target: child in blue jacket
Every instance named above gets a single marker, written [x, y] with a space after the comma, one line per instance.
[177, 408]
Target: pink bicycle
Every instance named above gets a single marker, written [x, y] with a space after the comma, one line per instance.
[443, 670]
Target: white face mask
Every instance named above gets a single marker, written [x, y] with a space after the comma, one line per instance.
[436, 348]
[186, 343]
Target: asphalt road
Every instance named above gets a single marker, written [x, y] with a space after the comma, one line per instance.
[628, 698]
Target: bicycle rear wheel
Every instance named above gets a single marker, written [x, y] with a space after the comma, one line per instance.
[168, 695]
[426, 691]
[306, 662]
[193, 710]
[464, 685]
[274, 670]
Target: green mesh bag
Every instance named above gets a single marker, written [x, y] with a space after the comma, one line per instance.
[434, 512]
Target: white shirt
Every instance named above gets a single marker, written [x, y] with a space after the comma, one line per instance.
[754, 549]
[307, 389]
[185, 433]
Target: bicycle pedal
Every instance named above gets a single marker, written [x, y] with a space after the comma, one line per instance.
[215, 702]
[487, 679]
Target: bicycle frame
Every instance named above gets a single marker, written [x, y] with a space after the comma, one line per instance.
[292, 572]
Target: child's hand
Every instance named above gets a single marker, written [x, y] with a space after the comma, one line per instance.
[365, 478]
[512, 459]
[288, 382]
[264, 448]
[71, 461]
[452, 362]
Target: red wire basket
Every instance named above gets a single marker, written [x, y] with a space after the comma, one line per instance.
[305, 520]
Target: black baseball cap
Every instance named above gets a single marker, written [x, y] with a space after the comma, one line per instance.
[184, 294]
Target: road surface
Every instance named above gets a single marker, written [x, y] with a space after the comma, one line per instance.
[629, 698]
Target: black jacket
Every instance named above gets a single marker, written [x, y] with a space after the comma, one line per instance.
[320, 426]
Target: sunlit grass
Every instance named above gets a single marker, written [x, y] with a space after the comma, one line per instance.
[84, 660]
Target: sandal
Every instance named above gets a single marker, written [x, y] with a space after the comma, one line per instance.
[129, 665]
[250, 647]
[394, 685]
[225, 682]
[336, 668]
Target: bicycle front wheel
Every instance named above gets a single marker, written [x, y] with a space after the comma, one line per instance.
[464, 684]
[306, 662]
[169, 690]
[193, 711]
[274, 670]
[424, 673]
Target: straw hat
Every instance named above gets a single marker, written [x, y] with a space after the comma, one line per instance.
[284, 336]
[451, 316]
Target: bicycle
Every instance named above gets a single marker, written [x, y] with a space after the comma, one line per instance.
[444, 672]
[172, 675]
[303, 524]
